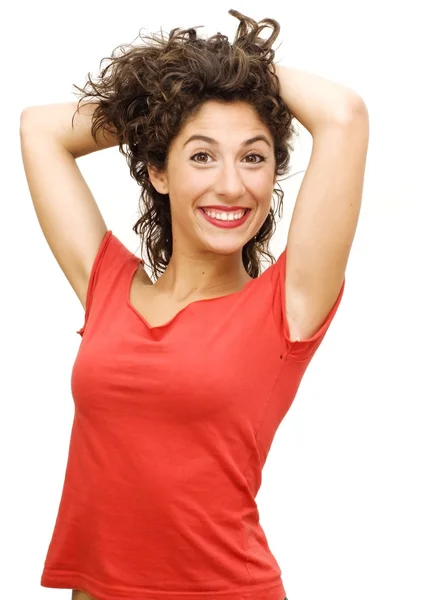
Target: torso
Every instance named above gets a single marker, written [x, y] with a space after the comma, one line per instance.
[156, 311]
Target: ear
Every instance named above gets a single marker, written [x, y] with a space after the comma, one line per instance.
[158, 179]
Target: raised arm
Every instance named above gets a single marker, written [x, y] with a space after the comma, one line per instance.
[328, 204]
[66, 210]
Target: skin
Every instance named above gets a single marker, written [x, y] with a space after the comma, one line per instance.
[207, 259]
[79, 595]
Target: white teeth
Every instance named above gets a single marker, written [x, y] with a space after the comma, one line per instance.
[224, 216]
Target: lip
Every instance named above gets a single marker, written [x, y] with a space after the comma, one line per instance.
[226, 208]
[225, 224]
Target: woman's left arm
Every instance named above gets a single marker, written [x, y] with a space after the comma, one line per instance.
[315, 101]
[328, 204]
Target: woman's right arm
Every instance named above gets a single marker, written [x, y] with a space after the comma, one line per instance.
[66, 210]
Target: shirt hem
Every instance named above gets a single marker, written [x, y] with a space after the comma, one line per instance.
[54, 578]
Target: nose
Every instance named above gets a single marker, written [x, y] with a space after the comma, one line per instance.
[229, 183]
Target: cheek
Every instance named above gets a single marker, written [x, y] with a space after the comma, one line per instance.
[262, 188]
[189, 186]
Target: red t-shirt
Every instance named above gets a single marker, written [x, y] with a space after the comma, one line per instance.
[171, 431]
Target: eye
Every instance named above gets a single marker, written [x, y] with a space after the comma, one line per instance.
[255, 154]
[198, 154]
[262, 158]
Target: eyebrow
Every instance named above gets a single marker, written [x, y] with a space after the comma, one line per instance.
[210, 140]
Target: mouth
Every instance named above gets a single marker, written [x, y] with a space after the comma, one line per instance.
[226, 220]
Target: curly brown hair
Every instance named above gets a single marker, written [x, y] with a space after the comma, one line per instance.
[148, 92]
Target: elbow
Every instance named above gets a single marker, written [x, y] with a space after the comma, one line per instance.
[355, 108]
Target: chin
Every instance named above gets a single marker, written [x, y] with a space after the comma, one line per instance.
[224, 247]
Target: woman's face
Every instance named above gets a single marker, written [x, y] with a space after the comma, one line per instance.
[227, 171]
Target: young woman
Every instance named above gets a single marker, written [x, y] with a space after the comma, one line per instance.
[182, 380]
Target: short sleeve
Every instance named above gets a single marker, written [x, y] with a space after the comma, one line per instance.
[111, 257]
[298, 349]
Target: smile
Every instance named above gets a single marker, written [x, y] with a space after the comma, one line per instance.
[225, 219]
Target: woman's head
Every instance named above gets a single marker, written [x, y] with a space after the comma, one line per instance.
[223, 157]
[157, 95]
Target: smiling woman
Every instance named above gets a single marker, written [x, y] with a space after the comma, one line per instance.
[173, 108]
[234, 191]
[179, 385]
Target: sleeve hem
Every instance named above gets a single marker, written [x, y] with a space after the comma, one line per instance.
[306, 348]
[92, 278]
[303, 349]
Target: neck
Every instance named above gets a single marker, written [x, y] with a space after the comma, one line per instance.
[209, 274]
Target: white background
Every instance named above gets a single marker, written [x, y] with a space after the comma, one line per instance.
[351, 492]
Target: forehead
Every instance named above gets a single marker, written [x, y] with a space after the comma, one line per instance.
[216, 117]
